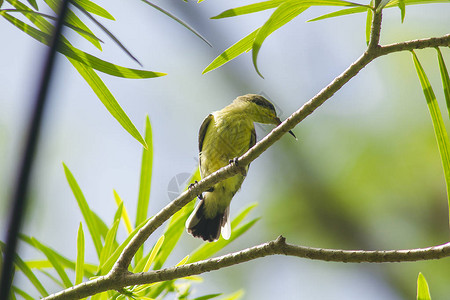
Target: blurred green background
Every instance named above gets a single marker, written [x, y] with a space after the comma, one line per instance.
[364, 174]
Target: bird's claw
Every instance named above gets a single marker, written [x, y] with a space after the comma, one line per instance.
[242, 170]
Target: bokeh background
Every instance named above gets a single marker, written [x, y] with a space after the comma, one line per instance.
[365, 172]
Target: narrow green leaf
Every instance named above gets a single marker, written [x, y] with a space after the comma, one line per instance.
[282, 15]
[34, 4]
[207, 297]
[369, 19]
[175, 228]
[109, 33]
[401, 6]
[107, 99]
[145, 181]
[109, 241]
[85, 210]
[423, 292]
[101, 226]
[381, 5]
[54, 261]
[394, 3]
[22, 293]
[235, 296]
[106, 267]
[438, 123]
[339, 13]
[79, 267]
[243, 45]
[22, 266]
[179, 21]
[146, 175]
[28, 12]
[445, 79]
[83, 57]
[152, 256]
[72, 18]
[95, 9]
[125, 217]
[249, 9]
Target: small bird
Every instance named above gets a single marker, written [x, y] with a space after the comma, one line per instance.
[224, 136]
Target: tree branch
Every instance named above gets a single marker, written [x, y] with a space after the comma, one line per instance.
[120, 277]
[275, 247]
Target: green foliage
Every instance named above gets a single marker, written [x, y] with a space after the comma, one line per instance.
[422, 288]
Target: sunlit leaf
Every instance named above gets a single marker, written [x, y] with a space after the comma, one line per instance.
[369, 19]
[54, 261]
[183, 261]
[107, 99]
[207, 297]
[248, 9]
[423, 292]
[243, 45]
[125, 217]
[73, 19]
[79, 267]
[235, 296]
[85, 210]
[95, 9]
[83, 57]
[445, 79]
[438, 123]
[109, 241]
[401, 6]
[34, 4]
[155, 251]
[106, 267]
[282, 15]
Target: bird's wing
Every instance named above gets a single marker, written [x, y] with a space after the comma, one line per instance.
[202, 132]
[252, 138]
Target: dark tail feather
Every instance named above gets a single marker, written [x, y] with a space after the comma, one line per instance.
[200, 226]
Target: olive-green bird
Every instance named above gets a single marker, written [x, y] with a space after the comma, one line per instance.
[225, 135]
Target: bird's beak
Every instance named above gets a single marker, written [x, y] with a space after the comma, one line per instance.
[290, 131]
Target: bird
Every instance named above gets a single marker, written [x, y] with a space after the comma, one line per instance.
[224, 136]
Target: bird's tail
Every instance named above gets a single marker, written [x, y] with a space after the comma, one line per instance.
[208, 229]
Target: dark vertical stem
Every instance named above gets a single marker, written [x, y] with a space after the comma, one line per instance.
[18, 198]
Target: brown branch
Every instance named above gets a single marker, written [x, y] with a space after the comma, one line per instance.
[276, 247]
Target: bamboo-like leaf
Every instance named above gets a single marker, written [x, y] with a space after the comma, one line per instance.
[175, 228]
[22, 266]
[29, 12]
[249, 9]
[79, 267]
[243, 45]
[22, 293]
[207, 297]
[438, 124]
[423, 293]
[85, 210]
[235, 296]
[106, 267]
[73, 19]
[402, 7]
[153, 254]
[33, 4]
[95, 9]
[83, 57]
[125, 217]
[54, 261]
[107, 99]
[381, 5]
[179, 21]
[145, 181]
[369, 19]
[109, 242]
[445, 79]
[109, 33]
[146, 175]
[282, 15]
[183, 261]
